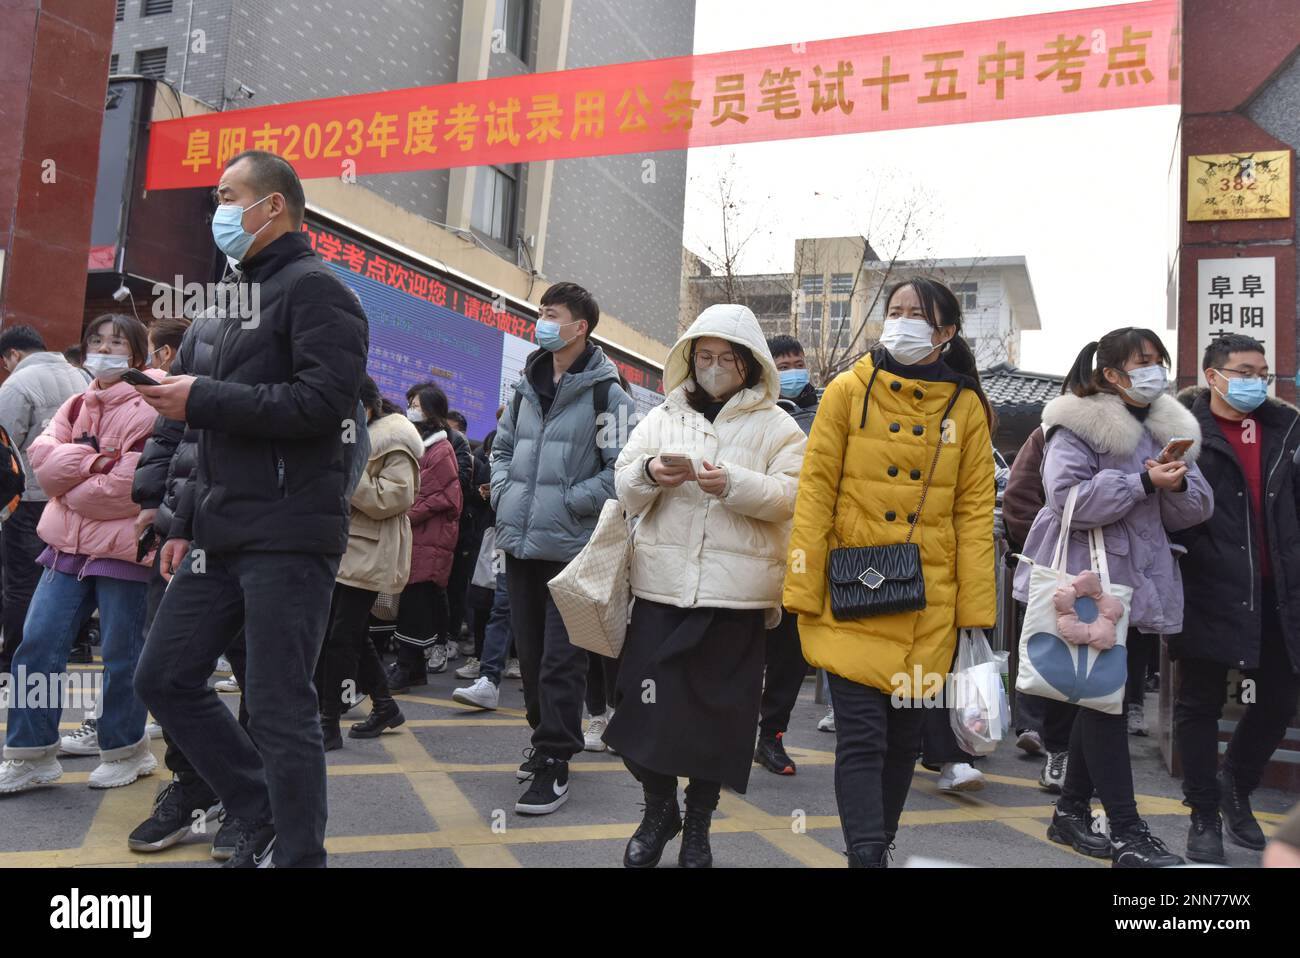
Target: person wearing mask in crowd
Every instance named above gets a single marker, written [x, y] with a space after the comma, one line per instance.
[712, 474]
[1043, 725]
[445, 647]
[378, 559]
[480, 589]
[269, 520]
[602, 670]
[785, 665]
[435, 521]
[39, 383]
[1103, 437]
[899, 453]
[498, 638]
[552, 470]
[1241, 582]
[84, 460]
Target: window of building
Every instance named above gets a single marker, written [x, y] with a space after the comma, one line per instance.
[153, 8]
[495, 194]
[841, 323]
[841, 284]
[121, 11]
[112, 65]
[967, 294]
[512, 20]
[151, 63]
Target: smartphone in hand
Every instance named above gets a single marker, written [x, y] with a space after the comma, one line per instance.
[1175, 449]
[136, 378]
[677, 461]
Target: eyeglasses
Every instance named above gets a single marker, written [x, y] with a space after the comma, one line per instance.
[1249, 374]
[99, 342]
[705, 359]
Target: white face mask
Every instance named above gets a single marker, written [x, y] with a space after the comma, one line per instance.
[415, 414]
[717, 381]
[107, 368]
[1147, 383]
[908, 340]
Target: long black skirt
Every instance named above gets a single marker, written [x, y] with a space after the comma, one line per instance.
[689, 688]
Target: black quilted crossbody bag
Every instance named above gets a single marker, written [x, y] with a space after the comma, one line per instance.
[880, 580]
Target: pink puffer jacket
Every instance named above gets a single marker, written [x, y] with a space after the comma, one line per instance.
[92, 514]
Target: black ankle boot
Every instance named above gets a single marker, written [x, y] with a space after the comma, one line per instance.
[1238, 817]
[1205, 837]
[696, 852]
[870, 855]
[329, 733]
[661, 822]
[384, 715]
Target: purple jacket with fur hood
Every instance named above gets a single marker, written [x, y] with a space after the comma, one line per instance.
[1097, 444]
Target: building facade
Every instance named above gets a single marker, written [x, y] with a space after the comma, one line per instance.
[613, 224]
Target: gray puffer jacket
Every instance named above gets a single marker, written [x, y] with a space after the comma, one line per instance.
[550, 478]
[30, 397]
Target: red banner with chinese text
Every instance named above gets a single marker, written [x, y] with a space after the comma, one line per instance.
[1067, 62]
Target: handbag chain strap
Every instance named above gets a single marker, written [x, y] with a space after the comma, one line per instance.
[934, 463]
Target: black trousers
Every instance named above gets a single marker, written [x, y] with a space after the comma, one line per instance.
[1099, 759]
[1198, 705]
[20, 546]
[1140, 647]
[602, 682]
[462, 570]
[554, 670]
[1053, 720]
[480, 610]
[348, 653]
[785, 670]
[421, 622]
[939, 745]
[282, 599]
[699, 793]
[875, 756]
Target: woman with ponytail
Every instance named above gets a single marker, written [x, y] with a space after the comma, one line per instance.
[908, 426]
[1104, 434]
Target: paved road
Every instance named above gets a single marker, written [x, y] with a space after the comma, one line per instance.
[441, 792]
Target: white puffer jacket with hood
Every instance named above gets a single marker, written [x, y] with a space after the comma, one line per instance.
[693, 549]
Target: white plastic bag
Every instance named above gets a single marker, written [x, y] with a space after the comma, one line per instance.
[979, 712]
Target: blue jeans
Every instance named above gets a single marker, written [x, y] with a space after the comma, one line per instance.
[496, 642]
[60, 606]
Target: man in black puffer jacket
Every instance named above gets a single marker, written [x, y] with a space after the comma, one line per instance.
[1241, 588]
[270, 520]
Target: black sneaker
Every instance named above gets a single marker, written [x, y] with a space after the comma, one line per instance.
[1073, 827]
[383, 716]
[173, 817]
[1136, 847]
[331, 737]
[533, 762]
[255, 846]
[548, 791]
[1238, 817]
[223, 845]
[400, 678]
[1205, 838]
[81, 655]
[771, 754]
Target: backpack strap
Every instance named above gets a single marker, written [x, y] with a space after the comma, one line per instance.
[74, 410]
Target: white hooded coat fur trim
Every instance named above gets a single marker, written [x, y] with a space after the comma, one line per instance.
[693, 549]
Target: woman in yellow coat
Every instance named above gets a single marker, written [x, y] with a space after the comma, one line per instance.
[872, 446]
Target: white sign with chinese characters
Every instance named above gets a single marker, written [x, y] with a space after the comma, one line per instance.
[1237, 296]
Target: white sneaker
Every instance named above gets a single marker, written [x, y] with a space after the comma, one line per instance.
[227, 685]
[18, 775]
[960, 777]
[223, 665]
[1137, 720]
[592, 739]
[512, 669]
[469, 670]
[453, 651]
[482, 694]
[153, 729]
[124, 771]
[1052, 777]
[436, 657]
[357, 706]
[827, 721]
[84, 741]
